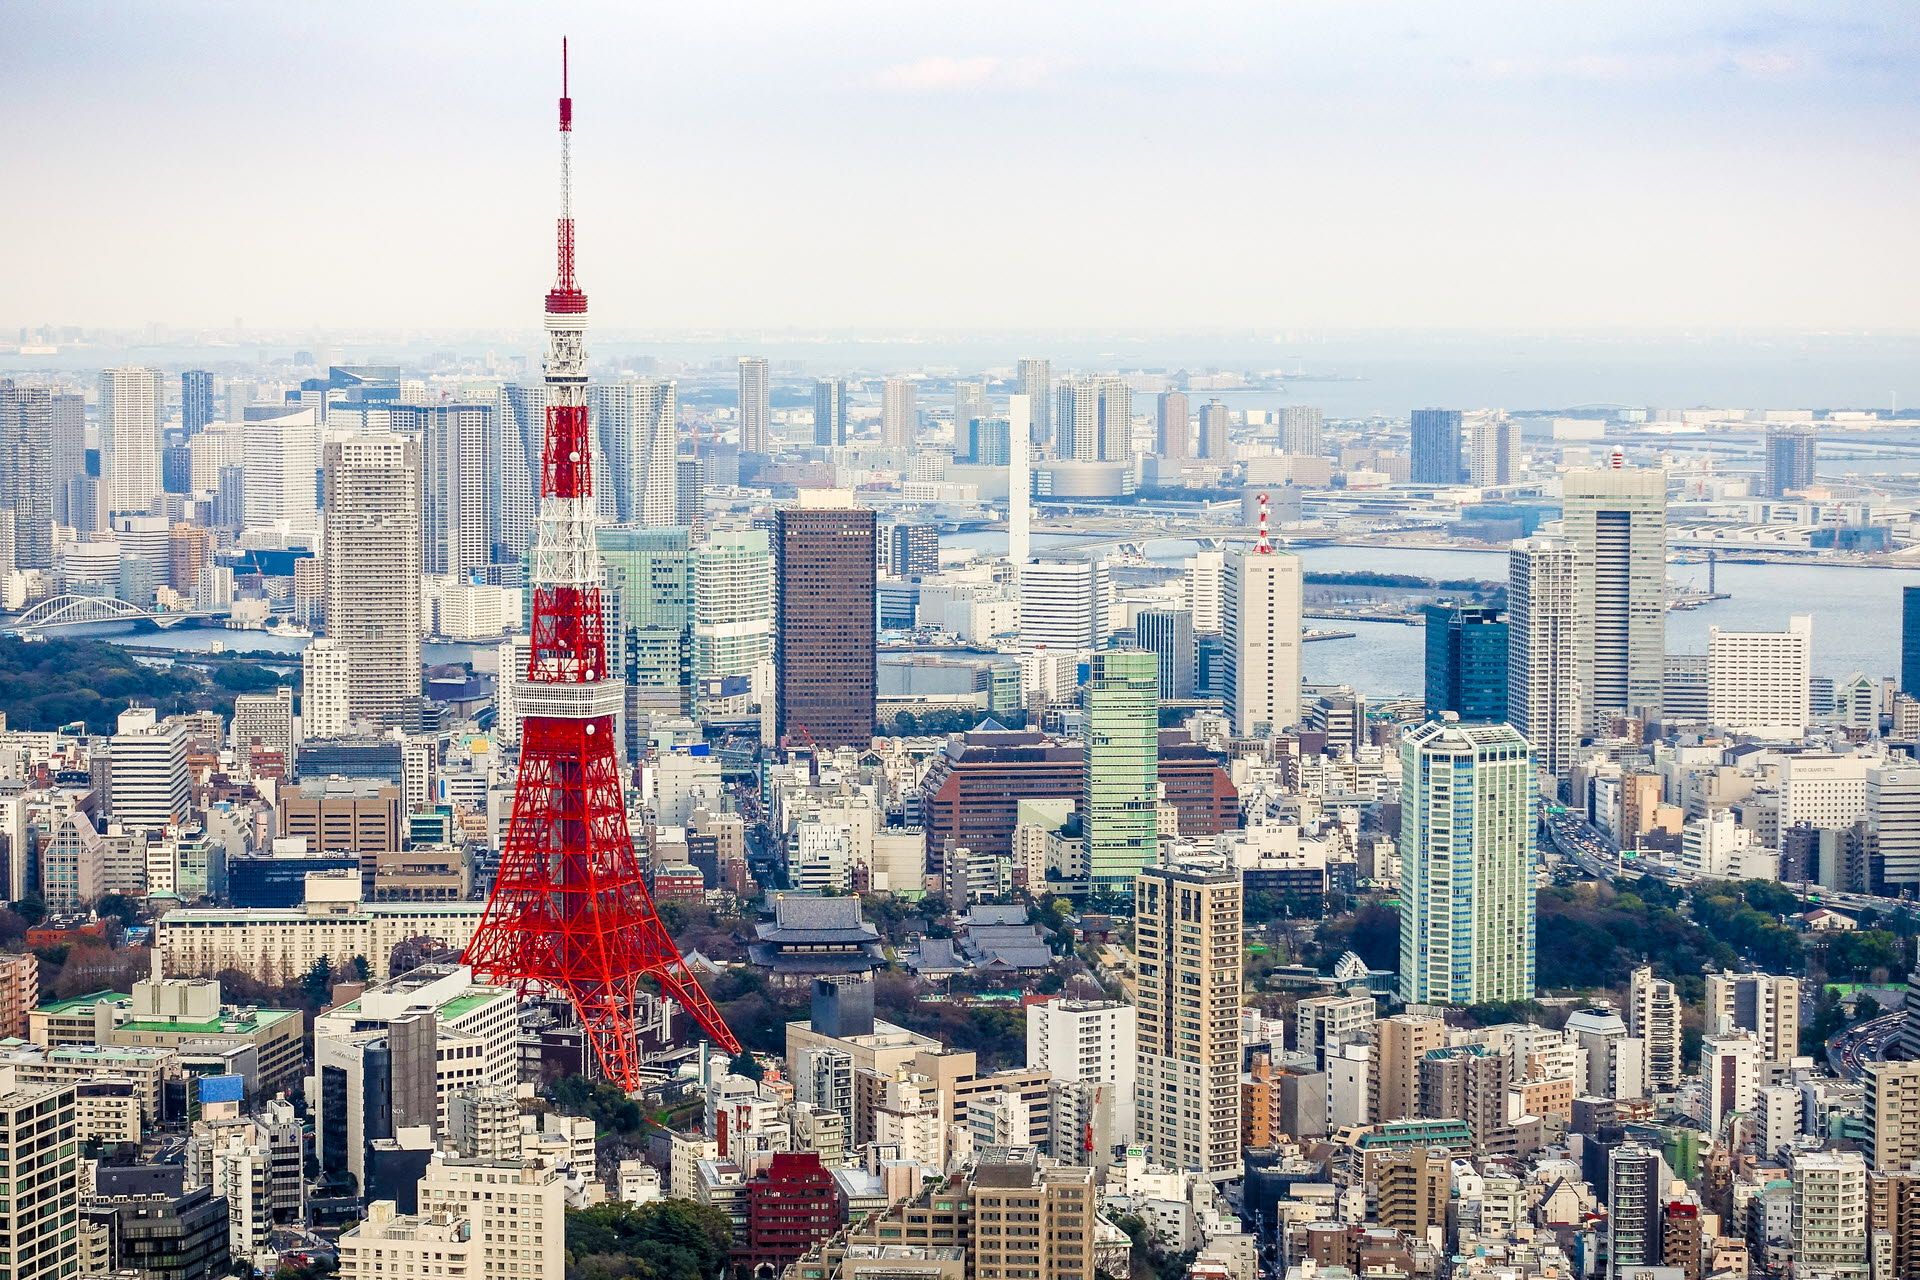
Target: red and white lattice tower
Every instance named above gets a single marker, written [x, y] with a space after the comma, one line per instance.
[569, 915]
[1265, 545]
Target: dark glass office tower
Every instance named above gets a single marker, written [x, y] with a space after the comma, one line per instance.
[196, 401]
[824, 634]
[1467, 662]
[1436, 446]
[1910, 641]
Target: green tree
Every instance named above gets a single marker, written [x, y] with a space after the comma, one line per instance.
[661, 1240]
[317, 984]
[118, 906]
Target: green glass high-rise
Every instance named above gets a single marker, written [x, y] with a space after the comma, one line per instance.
[649, 577]
[1466, 864]
[1120, 795]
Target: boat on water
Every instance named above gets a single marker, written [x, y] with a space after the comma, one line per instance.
[287, 628]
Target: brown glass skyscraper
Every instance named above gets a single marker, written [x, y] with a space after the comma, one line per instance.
[823, 653]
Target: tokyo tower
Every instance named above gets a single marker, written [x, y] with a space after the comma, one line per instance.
[569, 915]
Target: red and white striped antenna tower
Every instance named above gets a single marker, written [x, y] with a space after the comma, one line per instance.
[1264, 547]
[570, 915]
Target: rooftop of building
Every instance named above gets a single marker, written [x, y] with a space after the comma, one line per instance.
[73, 1003]
[231, 1022]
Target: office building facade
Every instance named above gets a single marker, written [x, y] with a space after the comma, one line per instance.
[1261, 605]
[1615, 518]
[1120, 801]
[824, 672]
[830, 412]
[1466, 662]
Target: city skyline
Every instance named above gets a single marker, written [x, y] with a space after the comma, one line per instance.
[1438, 144]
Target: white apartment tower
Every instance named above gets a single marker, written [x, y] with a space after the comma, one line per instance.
[1095, 420]
[1543, 629]
[372, 558]
[1758, 681]
[132, 401]
[1260, 607]
[1092, 1040]
[1829, 1200]
[1616, 520]
[1187, 949]
[459, 521]
[1036, 384]
[326, 672]
[1653, 1017]
[754, 408]
[635, 424]
[1762, 1004]
[899, 415]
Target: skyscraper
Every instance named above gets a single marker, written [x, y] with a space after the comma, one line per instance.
[899, 416]
[824, 675]
[1120, 797]
[522, 410]
[969, 411]
[1543, 639]
[131, 402]
[649, 602]
[913, 550]
[196, 401]
[1466, 864]
[1466, 662]
[635, 430]
[830, 411]
[753, 407]
[1168, 635]
[1436, 446]
[1616, 520]
[1260, 606]
[1790, 451]
[459, 523]
[68, 462]
[732, 612]
[1910, 641]
[1095, 422]
[279, 457]
[1172, 428]
[1063, 603]
[1300, 427]
[26, 471]
[1493, 450]
[372, 558]
[1019, 483]
[1187, 949]
[1213, 430]
[1036, 384]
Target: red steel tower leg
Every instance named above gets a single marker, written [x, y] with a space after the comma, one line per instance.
[569, 914]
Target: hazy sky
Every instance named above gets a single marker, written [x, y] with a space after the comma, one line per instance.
[897, 166]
